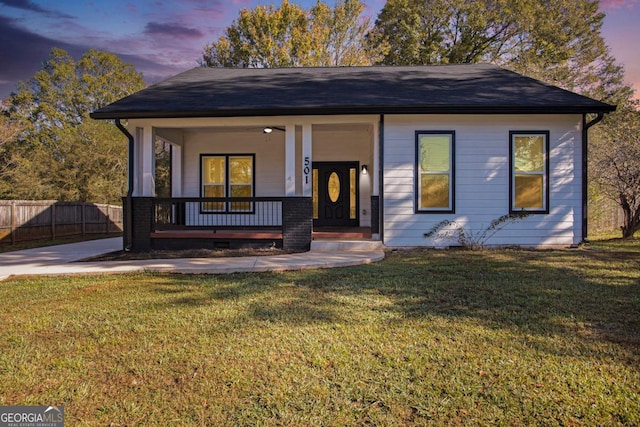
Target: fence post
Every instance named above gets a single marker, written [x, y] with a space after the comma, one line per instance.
[13, 222]
[106, 221]
[83, 213]
[53, 221]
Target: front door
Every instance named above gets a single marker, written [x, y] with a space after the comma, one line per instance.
[335, 194]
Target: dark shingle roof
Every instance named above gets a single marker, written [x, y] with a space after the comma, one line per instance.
[468, 89]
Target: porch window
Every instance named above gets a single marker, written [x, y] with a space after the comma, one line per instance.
[435, 179]
[227, 176]
[529, 166]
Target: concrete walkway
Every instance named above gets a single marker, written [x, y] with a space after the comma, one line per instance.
[60, 260]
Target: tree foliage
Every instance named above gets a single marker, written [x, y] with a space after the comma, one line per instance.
[90, 165]
[59, 152]
[9, 131]
[419, 32]
[289, 36]
[564, 46]
[338, 36]
[557, 41]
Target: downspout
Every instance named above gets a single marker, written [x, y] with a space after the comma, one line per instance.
[381, 178]
[128, 201]
[585, 165]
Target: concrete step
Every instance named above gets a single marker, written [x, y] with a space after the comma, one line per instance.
[333, 245]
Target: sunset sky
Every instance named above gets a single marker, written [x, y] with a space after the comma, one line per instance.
[164, 37]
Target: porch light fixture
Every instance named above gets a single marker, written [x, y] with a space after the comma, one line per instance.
[269, 129]
[364, 170]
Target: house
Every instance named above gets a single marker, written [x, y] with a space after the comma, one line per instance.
[282, 156]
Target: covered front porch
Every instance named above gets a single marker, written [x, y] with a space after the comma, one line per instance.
[254, 181]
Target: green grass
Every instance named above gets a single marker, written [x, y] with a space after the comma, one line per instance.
[503, 337]
[610, 235]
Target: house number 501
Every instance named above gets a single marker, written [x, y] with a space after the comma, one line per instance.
[307, 169]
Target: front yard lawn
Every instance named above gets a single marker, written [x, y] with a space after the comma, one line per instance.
[508, 337]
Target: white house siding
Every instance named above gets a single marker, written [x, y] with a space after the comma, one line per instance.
[482, 179]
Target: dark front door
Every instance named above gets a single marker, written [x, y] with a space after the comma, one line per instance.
[335, 194]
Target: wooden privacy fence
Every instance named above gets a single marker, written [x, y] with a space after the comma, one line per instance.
[605, 217]
[608, 221]
[22, 220]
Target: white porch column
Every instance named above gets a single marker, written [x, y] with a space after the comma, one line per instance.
[307, 160]
[290, 160]
[148, 157]
[144, 162]
[375, 165]
[137, 162]
[176, 170]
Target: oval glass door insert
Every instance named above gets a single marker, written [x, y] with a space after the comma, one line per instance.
[333, 187]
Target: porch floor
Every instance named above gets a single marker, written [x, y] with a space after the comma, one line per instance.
[318, 233]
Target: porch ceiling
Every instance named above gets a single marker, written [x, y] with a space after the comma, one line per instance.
[326, 127]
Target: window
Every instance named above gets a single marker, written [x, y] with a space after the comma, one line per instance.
[435, 179]
[227, 175]
[529, 167]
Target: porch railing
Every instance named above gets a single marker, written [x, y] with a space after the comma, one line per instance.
[205, 213]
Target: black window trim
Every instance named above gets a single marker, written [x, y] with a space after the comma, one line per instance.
[416, 198]
[227, 208]
[546, 185]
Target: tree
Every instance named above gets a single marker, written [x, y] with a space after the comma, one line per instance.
[563, 45]
[288, 36]
[262, 37]
[557, 41]
[615, 164]
[90, 165]
[64, 92]
[60, 153]
[9, 131]
[337, 36]
[163, 169]
[418, 32]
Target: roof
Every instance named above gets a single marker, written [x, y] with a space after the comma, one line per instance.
[453, 89]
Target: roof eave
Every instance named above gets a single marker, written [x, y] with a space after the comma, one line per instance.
[451, 109]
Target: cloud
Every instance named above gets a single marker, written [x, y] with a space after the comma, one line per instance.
[32, 7]
[172, 30]
[132, 8]
[617, 4]
[22, 53]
